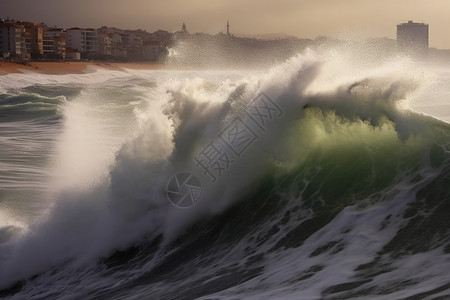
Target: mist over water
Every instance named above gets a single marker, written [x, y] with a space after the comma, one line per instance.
[342, 194]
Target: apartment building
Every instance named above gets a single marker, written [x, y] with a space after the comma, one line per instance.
[83, 40]
[104, 44]
[25, 40]
[151, 50]
[412, 36]
[55, 47]
[12, 40]
[55, 42]
[34, 38]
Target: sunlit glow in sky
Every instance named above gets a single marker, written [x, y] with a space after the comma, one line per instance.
[302, 18]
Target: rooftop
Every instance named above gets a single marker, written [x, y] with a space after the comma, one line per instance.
[411, 23]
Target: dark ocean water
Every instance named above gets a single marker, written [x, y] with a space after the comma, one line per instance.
[316, 179]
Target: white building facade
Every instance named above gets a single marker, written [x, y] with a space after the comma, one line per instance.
[83, 40]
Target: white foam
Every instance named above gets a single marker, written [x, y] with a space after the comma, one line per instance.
[21, 80]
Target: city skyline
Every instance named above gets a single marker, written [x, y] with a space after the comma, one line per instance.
[303, 19]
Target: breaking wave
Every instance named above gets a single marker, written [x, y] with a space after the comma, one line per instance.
[333, 190]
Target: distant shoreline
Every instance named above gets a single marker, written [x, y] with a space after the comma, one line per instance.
[76, 67]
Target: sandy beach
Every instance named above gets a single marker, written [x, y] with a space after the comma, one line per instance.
[71, 67]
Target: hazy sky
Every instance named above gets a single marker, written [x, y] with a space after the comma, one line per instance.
[302, 18]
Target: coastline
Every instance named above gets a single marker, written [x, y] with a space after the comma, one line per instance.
[76, 67]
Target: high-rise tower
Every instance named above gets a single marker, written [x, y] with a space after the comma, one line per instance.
[228, 28]
[412, 36]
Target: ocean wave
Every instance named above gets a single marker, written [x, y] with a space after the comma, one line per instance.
[322, 186]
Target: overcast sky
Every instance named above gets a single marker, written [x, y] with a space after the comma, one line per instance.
[302, 18]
